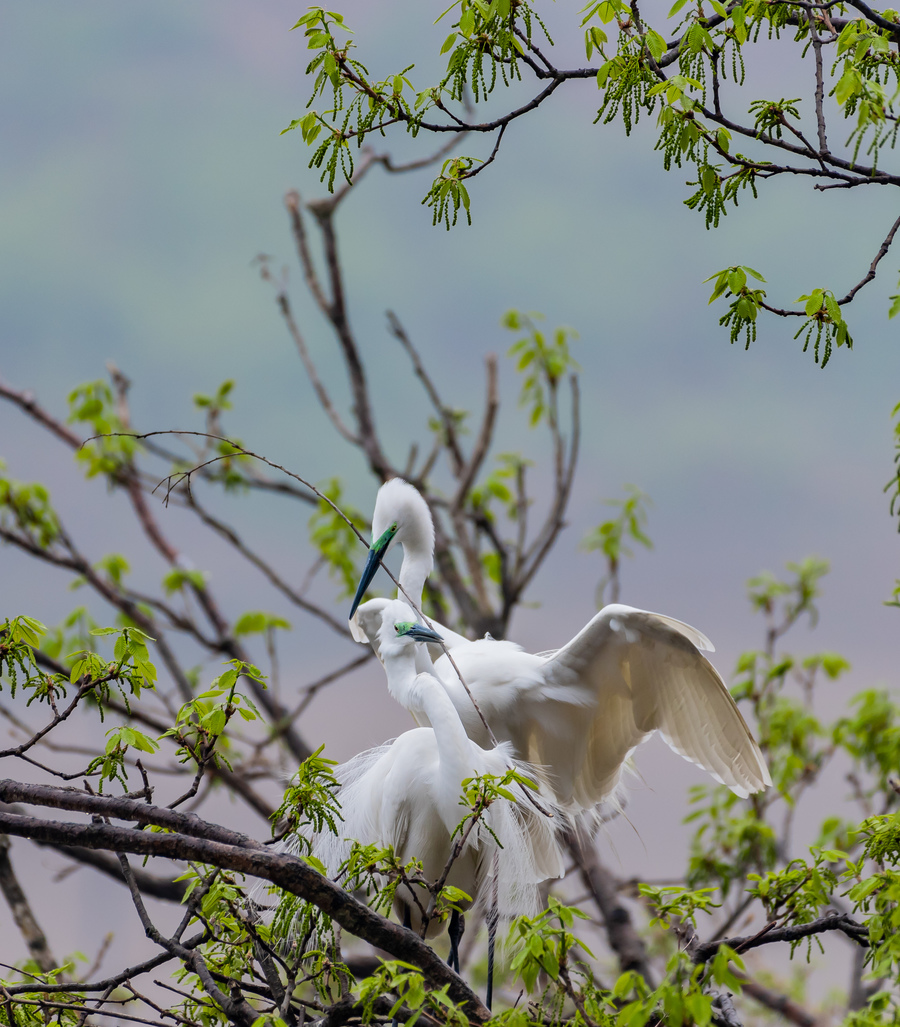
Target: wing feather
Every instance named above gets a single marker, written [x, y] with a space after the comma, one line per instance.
[637, 672]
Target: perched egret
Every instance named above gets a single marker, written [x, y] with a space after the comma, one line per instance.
[407, 794]
[580, 711]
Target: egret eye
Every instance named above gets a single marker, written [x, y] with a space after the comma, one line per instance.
[398, 628]
[394, 526]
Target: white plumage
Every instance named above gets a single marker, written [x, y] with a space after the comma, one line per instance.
[580, 711]
[407, 794]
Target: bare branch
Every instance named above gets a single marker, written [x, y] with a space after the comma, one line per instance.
[620, 931]
[232, 537]
[121, 809]
[108, 983]
[150, 884]
[444, 413]
[477, 170]
[27, 402]
[59, 718]
[870, 274]
[336, 312]
[236, 1007]
[284, 305]
[820, 83]
[565, 475]
[292, 202]
[20, 908]
[723, 1012]
[782, 1004]
[309, 692]
[471, 613]
[485, 435]
[836, 922]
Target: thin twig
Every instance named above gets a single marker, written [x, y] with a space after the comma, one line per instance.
[451, 440]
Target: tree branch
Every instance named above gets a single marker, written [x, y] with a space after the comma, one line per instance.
[232, 537]
[121, 809]
[287, 872]
[284, 305]
[19, 906]
[444, 413]
[836, 922]
[623, 938]
[156, 887]
[336, 312]
[469, 472]
[870, 274]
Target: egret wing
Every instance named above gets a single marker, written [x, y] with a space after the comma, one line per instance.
[628, 673]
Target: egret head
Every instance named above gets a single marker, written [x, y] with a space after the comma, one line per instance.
[416, 631]
[401, 515]
[400, 629]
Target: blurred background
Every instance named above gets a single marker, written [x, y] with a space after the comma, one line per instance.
[142, 171]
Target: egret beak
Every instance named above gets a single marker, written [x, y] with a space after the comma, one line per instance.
[422, 634]
[376, 555]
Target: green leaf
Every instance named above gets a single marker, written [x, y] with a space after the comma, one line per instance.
[737, 279]
[814, 302]
[655, 44]
[215, 721]
[251, 623]
[144, 742]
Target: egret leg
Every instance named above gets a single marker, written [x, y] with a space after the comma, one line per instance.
[455, 930]
[407, 923]
[492, 916]
[492, 934]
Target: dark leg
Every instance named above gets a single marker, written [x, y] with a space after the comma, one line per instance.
[455, 930]
[407, 923]
[492, 916]
[492, 935]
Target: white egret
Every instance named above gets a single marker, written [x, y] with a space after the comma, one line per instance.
[580, 711]
[401, 516]
[407, 794]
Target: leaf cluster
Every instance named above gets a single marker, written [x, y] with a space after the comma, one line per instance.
[542, 360]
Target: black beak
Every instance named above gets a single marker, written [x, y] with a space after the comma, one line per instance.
[376, 555]
[422, 634]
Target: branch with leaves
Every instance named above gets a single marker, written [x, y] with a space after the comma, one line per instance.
[690, 75]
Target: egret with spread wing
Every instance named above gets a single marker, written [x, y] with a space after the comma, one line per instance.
[406, 794]
[579, 711]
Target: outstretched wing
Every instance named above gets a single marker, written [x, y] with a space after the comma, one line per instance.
[626, 674]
